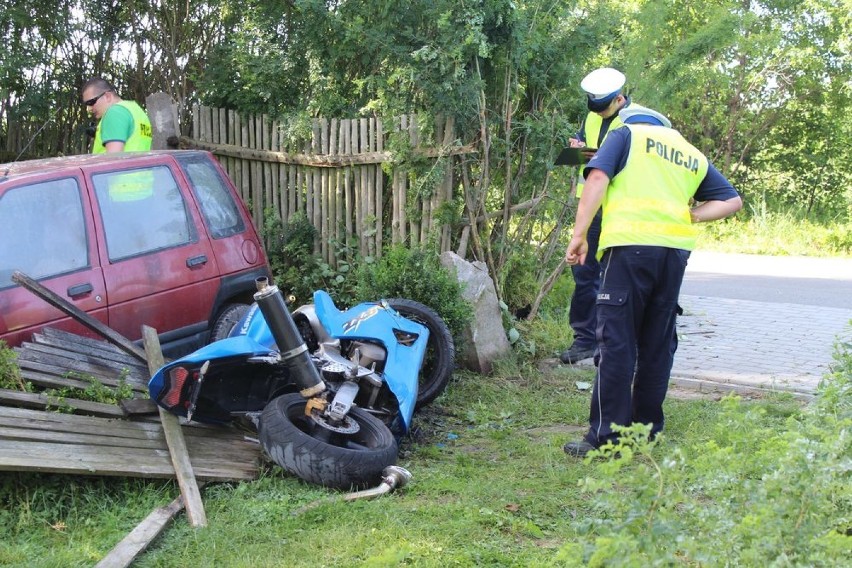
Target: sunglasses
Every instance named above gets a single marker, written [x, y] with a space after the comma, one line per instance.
[93, 100]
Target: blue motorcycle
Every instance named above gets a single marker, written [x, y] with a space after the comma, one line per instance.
[331, 392]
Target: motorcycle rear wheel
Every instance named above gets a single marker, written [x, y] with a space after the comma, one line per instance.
[317, 455]
[439, 361]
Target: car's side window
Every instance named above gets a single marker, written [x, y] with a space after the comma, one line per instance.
[221, 213]
[143, 211]
[42, 230]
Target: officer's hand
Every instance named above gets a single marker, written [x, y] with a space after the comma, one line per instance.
[576, 251]
[574, 143]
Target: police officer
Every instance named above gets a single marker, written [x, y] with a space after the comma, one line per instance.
[123, 126]
[644, 175]
[605, 98]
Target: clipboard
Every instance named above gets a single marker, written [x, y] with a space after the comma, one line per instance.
[572, 156]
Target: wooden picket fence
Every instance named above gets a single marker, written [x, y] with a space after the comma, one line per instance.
[336, 178]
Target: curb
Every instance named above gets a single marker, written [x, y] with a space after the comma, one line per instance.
[705, 386]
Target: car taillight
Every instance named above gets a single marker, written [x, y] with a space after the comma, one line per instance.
[173, 387]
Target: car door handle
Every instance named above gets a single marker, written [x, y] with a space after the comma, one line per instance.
[196, 261]
[79, 289]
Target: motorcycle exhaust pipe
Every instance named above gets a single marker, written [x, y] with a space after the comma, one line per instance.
[293, 350]
[393, 476]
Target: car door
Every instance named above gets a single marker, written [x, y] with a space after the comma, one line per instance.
[158, 265]
[47, 232]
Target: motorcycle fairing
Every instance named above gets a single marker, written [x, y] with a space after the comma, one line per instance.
[379, 322]
[240, 346]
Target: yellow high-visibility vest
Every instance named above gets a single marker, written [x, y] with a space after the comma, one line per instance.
[141, 137]
[647, 203]
[591, 132]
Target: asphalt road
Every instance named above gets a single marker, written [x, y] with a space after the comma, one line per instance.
[825, 282]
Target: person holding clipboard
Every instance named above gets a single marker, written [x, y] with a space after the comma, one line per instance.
[605, 98]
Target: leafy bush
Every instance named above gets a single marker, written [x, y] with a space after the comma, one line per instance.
[295, 267]
[756, 492]
[417, 275]
[96, 391]
[10, 375]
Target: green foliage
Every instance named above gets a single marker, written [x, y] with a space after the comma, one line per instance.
[10, 374]
[758, 87]
[759, 489]
[296, 269]
[96, 391]
[416, 274]
[777, 231]
[518, 278]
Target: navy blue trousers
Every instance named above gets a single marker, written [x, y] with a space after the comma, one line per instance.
[582, 314]
[636, 311]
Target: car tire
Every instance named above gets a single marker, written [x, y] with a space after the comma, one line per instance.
[228, 318]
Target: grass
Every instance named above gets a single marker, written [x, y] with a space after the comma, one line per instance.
[781, 233]
[750, 482]
[491, 487]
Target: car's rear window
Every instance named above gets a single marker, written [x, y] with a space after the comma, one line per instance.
[221, 212]
[143, 210]
[42, 230]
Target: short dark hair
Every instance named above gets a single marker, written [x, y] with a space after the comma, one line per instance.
[99, 83]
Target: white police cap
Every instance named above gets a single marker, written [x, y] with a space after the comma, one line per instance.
[637, 113]
[603, 83]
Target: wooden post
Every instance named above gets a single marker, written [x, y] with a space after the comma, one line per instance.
[174, 438]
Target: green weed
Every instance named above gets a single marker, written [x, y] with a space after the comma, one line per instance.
[96, 391]
[10, 374]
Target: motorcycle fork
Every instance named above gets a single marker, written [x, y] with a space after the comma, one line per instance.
[343, 400]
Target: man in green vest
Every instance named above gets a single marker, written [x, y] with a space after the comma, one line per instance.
[644, 176]
[604, 99]
[123, 126]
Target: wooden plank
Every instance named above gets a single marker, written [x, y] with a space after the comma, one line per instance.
[113, 428]
[380, 188]
[55, 437]
[136, 406]
[80, 362]
[137, 540]
[52, 366]
[79, 344]
[245, 182]
[174, 437]
[82, 352]
[267, 166]
[42, 401]
[51, 380]
[58, 302]
[85, 459]
[99, 348]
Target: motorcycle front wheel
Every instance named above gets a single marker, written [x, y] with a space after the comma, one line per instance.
[319, 455]
[439, 361]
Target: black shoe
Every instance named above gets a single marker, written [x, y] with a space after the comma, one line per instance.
[575, 354]
[578, 449]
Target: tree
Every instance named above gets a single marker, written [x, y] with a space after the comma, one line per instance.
[735, 75]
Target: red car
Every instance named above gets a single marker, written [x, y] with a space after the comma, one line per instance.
[154, 238]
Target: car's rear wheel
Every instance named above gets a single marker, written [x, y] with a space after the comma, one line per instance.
[228, 318]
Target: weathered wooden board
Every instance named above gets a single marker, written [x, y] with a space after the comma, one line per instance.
[79, 344]
[33, 440]
[42, 401]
